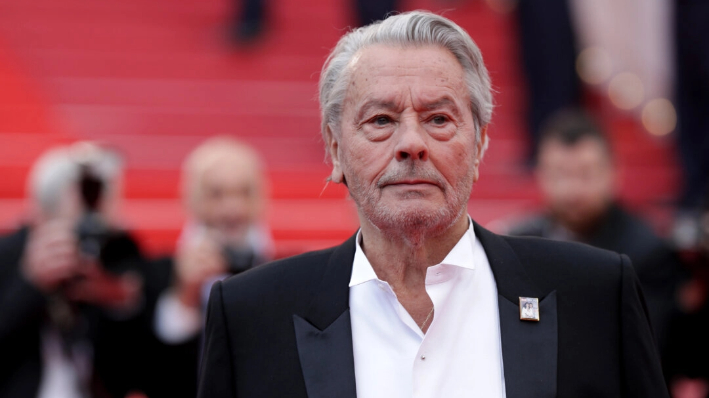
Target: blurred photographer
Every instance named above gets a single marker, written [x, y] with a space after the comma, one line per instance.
[223, 190]
[71, 291]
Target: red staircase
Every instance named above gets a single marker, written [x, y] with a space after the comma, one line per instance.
[153, 79]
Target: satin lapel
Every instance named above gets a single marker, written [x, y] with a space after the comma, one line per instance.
[324, 332]
[529, 349]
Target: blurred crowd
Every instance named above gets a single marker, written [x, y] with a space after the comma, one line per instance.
[85, 313]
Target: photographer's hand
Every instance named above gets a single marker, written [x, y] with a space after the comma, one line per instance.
[195, 263]
[51, 255]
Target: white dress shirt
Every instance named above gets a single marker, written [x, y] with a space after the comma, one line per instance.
[459, 356]
[63, 376]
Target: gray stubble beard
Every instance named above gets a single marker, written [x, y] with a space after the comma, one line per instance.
[412, 227]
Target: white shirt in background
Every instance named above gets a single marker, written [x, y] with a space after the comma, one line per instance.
[63, 376]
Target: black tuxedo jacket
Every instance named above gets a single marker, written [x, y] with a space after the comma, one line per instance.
[283, 330]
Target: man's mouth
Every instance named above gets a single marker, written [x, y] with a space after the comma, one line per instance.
[411, 183]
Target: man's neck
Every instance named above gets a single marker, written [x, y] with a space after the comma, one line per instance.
[402, 259]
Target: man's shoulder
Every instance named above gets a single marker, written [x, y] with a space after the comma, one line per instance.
[14, 238]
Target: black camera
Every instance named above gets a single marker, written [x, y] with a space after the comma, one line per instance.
[239, 260]
[113, 249]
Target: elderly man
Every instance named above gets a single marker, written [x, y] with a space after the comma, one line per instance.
[422, 302]
[223, 190]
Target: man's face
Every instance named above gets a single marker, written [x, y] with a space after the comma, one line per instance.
[228, 198]
[577, 181]
[406, 145]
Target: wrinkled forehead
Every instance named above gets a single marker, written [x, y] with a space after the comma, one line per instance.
[437, 59]
[389, 71]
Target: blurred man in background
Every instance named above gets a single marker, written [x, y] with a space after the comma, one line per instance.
[577, 178]
[72, 289]
[224, 193]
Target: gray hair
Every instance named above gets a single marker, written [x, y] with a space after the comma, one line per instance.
[60, 168]
[415, 28]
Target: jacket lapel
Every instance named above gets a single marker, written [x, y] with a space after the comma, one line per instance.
[529, 349]
[324, 333]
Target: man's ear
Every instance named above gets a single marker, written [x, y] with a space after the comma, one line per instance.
[482, 143]
[333, 147]
[480, 149]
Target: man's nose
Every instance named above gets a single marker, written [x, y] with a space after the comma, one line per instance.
[411, 144]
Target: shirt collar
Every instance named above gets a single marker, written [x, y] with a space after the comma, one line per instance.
[460, 256]
[362, 270]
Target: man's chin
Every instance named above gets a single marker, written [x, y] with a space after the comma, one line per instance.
[407, 220]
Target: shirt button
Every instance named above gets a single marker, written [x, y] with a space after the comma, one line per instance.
[423, 357]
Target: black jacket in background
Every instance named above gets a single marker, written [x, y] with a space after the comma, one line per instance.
[122, 348]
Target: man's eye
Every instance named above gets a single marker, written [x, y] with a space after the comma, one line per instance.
[382, 120]
[439, 120]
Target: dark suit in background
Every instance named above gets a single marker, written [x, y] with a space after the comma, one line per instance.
[284, 329]
[174, 367]
[121, 346]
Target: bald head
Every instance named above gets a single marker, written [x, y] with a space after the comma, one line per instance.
[223, 187]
